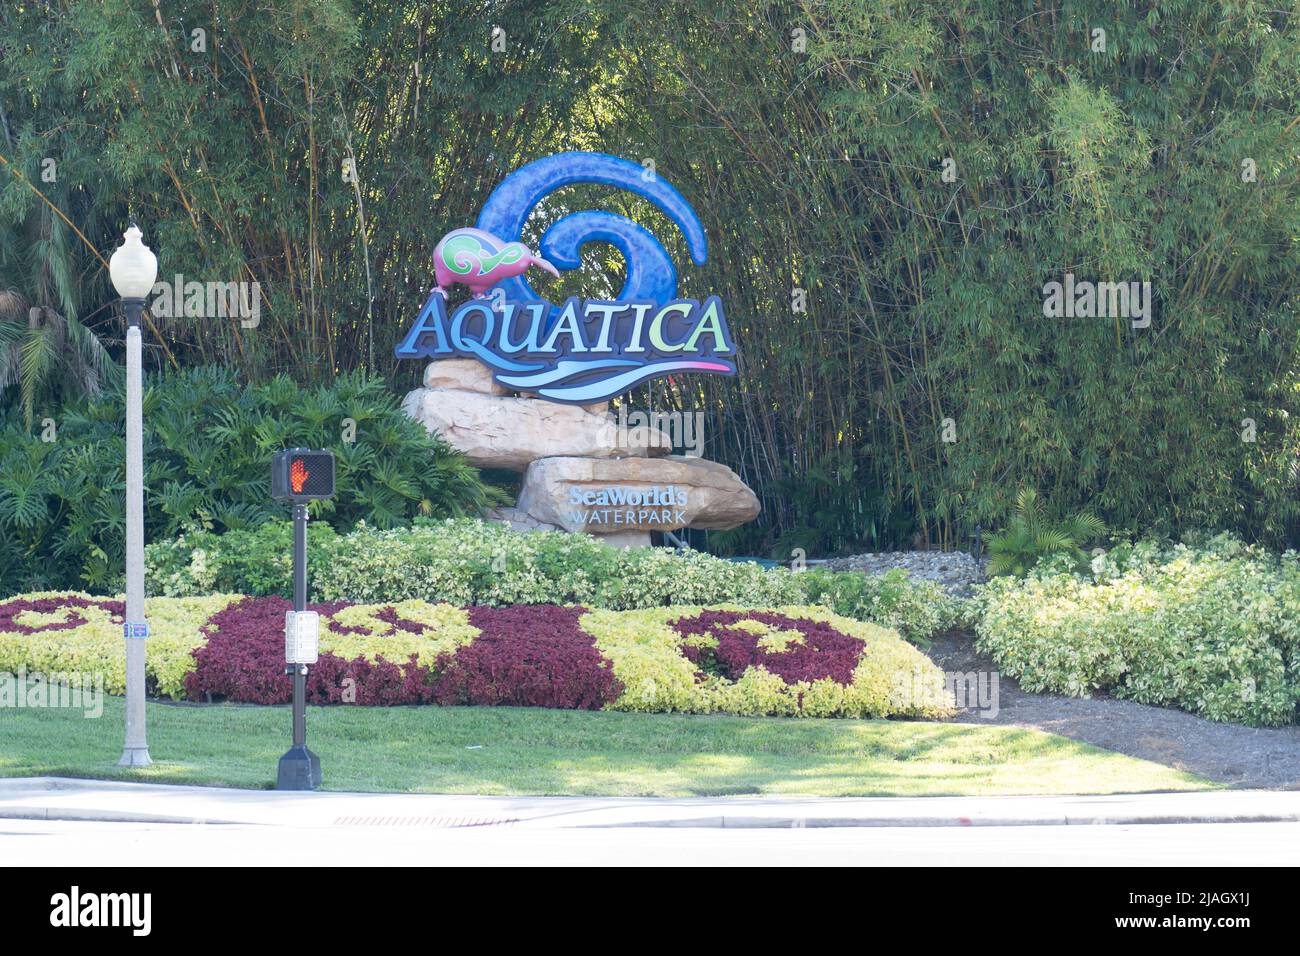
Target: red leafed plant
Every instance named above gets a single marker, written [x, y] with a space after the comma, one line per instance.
[244, 661]
[9, 611]
[823, 652]
[527, 656]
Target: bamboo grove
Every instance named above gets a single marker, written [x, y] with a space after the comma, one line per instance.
[887, 187]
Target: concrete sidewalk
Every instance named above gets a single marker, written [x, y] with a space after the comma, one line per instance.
[57, 798]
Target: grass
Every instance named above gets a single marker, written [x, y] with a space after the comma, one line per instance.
[506, 750]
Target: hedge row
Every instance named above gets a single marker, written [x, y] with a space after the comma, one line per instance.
[793, 661]
[1213, 629]
[469, 562]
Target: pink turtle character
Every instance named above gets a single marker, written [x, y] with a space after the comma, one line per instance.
[480, 260]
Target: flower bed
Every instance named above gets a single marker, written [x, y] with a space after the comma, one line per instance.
[467, 562]
[793, 660]
[60, 632]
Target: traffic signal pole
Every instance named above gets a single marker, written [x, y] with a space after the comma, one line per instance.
[300, 475]
[299, 767]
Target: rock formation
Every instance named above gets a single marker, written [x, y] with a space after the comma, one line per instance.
[581, 474]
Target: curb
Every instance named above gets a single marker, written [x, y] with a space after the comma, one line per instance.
[74, 815]
[75, 800]
[810, 823]
[729, 822]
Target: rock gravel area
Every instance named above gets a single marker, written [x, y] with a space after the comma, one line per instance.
[957, 571]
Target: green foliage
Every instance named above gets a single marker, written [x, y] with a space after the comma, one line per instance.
[816, 170]
[1032, 536]
[47, 358]
[470, 562]
[916, 609]
[1210, 629]
[208, 443]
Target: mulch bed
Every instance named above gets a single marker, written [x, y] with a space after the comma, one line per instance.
[1229, 753]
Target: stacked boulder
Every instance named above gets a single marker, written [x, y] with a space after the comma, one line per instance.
[581, 472]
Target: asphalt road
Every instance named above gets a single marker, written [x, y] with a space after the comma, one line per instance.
[43, 842]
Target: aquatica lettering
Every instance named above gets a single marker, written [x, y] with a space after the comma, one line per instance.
[584, 352]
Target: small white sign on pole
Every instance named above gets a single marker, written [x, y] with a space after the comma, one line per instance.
[301, 637]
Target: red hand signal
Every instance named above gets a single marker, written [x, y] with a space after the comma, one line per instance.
[298, 475]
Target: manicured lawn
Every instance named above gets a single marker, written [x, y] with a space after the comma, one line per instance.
[535, 751]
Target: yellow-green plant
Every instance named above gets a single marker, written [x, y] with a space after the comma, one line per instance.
[655, 666]
[891, 678]
[1212, 631]
[444, 628]
[97, 647]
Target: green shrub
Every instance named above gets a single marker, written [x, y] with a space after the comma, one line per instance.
[208, 446]
[260, 560]
[1031, 536]
[1212, 630]
[467, 561]
[916, 609]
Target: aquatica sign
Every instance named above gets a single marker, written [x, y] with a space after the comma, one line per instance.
[579, 351]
